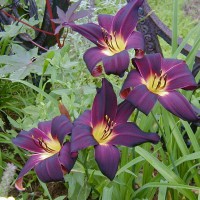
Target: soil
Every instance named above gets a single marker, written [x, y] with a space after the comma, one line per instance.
[55, 189]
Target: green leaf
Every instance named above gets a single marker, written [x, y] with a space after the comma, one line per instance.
[20, 65]
[60, 198]
[107, 193]
[186, 39]
[175, 26]
[50, 98]
[165, 171]
[13, 122]
[168, 185]
[162, 192]
[44, 186]
[49, 56]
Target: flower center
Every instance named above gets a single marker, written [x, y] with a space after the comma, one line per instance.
[113, 43]
[103, 133]
[51, 146]
[157, 83]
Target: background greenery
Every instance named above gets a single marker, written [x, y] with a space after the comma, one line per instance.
[168, 170]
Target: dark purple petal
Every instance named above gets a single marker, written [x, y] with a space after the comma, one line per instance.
[107, 158]
[130, 135]
[116, 64]
[105, 21]
[61, 126]
[28, 140]
[142, 98]
[105, 103]
[80, 14]
[124, 111]
[135, 41]
[49, 169]
[133, 79]
[168, 63]
[177, 104]
[178, 76]
[82, 138]
[65, 157]
[90, 31]
[45, 126]
[84, 119]
[92, 57]
[126, 18]
[30, 164]
[148, 65]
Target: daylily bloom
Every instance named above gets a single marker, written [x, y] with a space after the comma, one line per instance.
[64, 19]
[51, 158]
[113, 36]
[106, 126]
[157, 78]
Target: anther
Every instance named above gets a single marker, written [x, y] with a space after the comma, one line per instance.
[154, 78]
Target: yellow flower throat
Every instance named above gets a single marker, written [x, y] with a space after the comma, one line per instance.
[157, 83]
[103, 132]
[113, 43]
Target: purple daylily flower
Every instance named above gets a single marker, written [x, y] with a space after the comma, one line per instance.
[64, 19]
[157, 78]
[113, 36]
[51, 158]
[106, 126]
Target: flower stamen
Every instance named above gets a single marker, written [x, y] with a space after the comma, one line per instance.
[113, 43]
[108, 129]
[40, 142]
[157, 83]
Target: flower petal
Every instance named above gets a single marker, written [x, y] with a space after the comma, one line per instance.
[105, 21]
[177, 104]
[61, 14]
[148, 65]
[84, 119]
[80, 14]
[82, 138]
[105, 103]
[107, 158]
[168, 63]
[126, 18]
[57, 30]
[65, 157]
[49, 169]
[28, 140]
[61, 126]
[133, 79]
[135, 41]
[92, 57]
[72, 9]
[30, 164]
[142, 98]
[178, 74]
[116, 64]
[56, 21]
[45, 127]
[124, 111]
[130, 135]
[90, 31]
